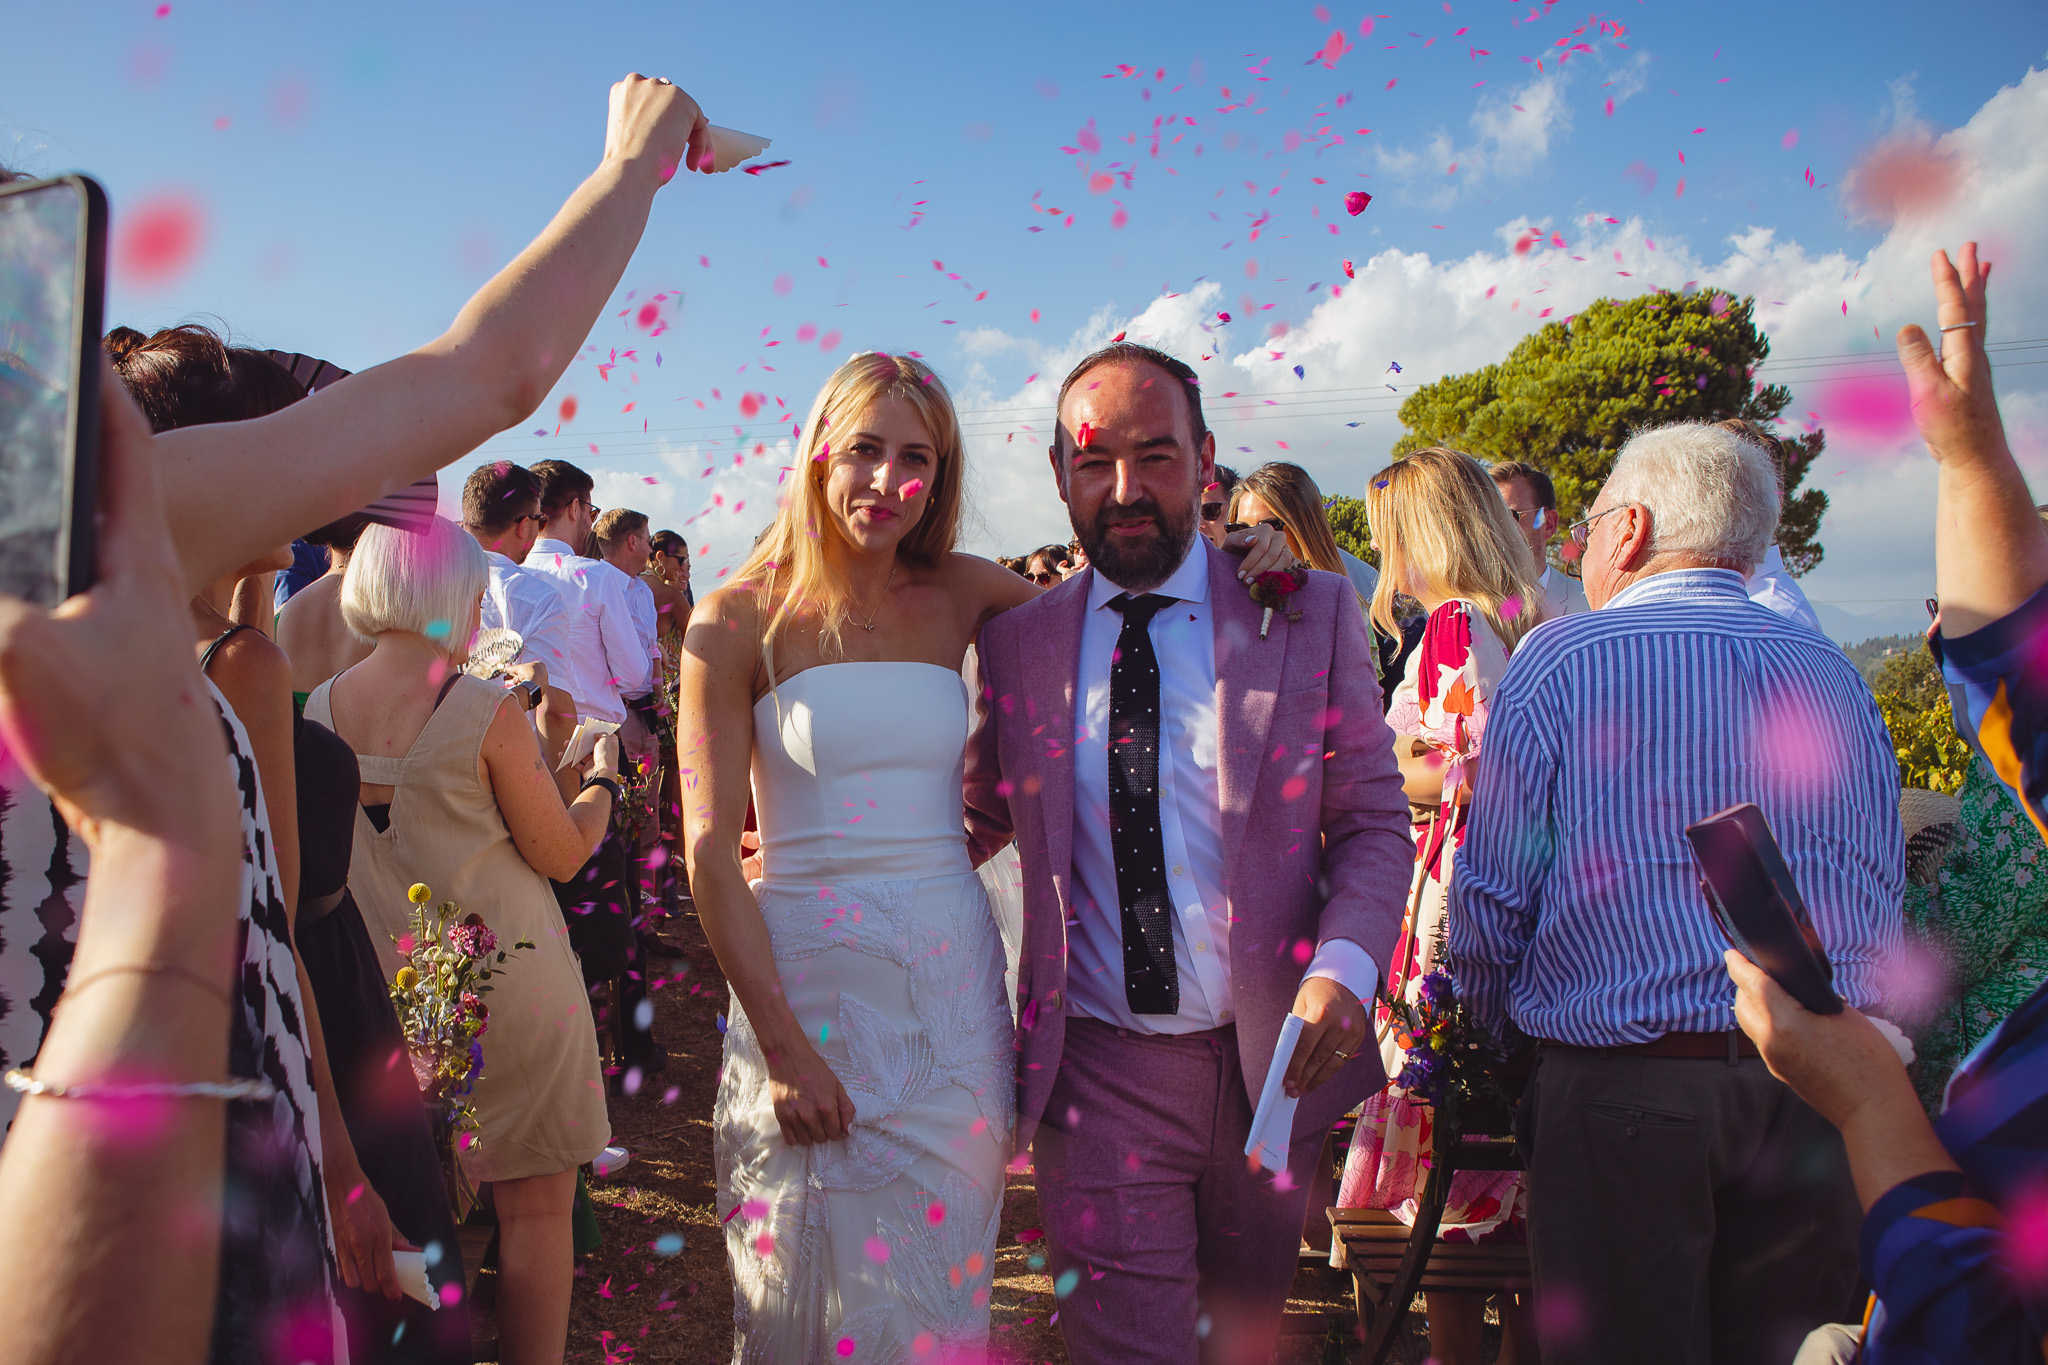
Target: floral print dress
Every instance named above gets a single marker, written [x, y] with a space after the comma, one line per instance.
[1442, 701]
[1984, 922]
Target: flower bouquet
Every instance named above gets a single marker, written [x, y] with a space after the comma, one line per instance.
[438, 994]
[1453, 1062]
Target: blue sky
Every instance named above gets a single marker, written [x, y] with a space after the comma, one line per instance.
[360, 169]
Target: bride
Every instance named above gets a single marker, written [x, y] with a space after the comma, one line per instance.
[865, 1111]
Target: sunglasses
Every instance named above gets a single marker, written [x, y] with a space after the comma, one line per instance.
[1211, 511]
[1044, 578]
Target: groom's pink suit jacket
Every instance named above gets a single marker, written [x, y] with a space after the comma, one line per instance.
[1316, 835]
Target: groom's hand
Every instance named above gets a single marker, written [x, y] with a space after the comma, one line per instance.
[1334, 1023]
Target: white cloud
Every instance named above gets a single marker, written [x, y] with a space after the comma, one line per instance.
[1438, 317]
[1512, 135]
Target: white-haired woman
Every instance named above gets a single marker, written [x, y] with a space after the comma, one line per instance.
[455, 794]
[866, 1107]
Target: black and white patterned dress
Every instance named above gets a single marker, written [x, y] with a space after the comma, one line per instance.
[275, 1300]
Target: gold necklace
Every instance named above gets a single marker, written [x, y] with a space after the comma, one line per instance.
[869, 625]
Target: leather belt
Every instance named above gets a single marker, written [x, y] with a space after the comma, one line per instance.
[320, 907]
[1699, 1047]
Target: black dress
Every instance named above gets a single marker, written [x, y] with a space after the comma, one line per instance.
[373, 1081]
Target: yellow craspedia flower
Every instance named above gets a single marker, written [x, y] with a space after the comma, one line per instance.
[419, 894]
[406, 979]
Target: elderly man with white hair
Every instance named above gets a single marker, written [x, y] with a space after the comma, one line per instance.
[1683, 1204]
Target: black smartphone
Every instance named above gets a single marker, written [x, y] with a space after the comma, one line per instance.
[53, 269]
[1757, 905]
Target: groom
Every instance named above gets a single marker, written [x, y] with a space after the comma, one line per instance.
[1213, 835]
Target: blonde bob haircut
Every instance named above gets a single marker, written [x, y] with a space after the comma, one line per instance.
[1437, 519]
[789, 565]
[427, 582]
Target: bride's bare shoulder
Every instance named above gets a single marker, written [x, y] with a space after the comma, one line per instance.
[986, 585]
[727, 622]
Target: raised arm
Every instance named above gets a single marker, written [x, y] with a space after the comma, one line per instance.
[399, 421]
[715, 748]
[1990, 548]
[112, 1230]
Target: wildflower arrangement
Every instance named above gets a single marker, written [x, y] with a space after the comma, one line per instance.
[1453, 1062]
[439, 996]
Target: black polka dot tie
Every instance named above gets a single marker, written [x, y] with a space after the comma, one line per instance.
[1151, 984]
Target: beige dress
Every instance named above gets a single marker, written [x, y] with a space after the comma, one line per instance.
[540, 1099]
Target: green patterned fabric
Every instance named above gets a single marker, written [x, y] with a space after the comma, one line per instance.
[1986, 922]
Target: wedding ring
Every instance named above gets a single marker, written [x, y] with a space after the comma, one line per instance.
[663, 80]
[1958, 326]
[1340, 1052]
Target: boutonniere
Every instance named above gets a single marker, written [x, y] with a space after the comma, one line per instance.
[1271, 590]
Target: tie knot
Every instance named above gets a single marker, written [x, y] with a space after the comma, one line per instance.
[1138, 611]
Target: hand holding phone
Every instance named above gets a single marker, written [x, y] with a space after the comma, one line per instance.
[53, 253]
[1757, 905]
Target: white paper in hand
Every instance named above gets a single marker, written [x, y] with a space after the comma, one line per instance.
[412, 1278]
[1273, 1124]
[730, 146]
[584, 740]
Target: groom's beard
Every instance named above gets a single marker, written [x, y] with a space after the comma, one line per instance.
[1138, 563]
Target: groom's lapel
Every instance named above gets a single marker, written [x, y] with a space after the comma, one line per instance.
[1052, 666]
[1248, 674]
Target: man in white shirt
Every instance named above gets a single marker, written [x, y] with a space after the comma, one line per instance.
[624, 544]
[1532, 499]
[605, 660]
[1772, 585]
[501, 509]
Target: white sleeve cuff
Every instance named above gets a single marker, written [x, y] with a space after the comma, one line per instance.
[1347, 964]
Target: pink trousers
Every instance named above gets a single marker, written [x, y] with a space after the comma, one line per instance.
[1169, 1247]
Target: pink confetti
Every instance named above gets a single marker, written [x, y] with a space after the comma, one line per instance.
[1355, 202]
[845, 1346]
[877, 1250]
[158, 240]
[1790, 140]
[935, 1212]
[911, 488]
[750, 404]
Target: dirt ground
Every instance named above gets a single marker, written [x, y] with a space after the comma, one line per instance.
[633, 1303]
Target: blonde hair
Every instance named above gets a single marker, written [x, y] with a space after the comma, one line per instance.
[1295, 499]
[1436, 516]
[428, 582]
[788, 564]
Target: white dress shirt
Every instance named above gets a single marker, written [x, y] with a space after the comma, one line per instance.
[604, 659]
[1773, 586]
[646, 621]
[1191, 822]
[531, 605]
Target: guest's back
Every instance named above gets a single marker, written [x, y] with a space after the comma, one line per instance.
[311, 632]
[1615, 729]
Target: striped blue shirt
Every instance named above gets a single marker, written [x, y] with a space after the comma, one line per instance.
[1576, 910]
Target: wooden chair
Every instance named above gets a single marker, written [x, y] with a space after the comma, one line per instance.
[1390, 1262]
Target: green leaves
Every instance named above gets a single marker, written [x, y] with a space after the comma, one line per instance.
[1914, 700]
[1569, 395]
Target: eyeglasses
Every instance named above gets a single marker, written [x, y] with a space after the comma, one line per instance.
[1582, 531]
[539, 518]
[1211, 511]
[1523, 515]
[594, 508]
[1044, 578]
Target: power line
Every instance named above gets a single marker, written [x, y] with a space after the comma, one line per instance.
[1296, 405]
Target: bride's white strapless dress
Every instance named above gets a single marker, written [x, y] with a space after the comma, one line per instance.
[881, 1247]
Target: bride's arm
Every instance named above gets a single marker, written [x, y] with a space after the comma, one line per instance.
[715, 743]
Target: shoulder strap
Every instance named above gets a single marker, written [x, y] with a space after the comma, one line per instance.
[446, 688]
[206, 659]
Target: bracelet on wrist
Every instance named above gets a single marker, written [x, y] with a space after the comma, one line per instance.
[152, 968]
[23, 1082]
[607, 783]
